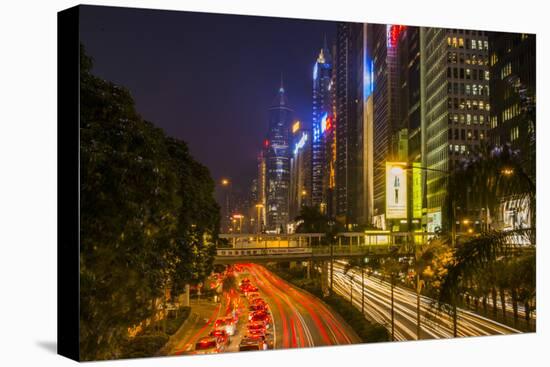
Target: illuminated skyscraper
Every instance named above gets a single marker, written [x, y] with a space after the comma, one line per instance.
[300, 169]
[354, 124]
[512, 59]
[386, 113]
[321, 120]
[454, 67]
[278, 162]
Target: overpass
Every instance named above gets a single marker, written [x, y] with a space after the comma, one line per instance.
[312, 246]
[232, 248]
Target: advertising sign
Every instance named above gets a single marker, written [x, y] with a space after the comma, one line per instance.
[417, 190]
[396, 190]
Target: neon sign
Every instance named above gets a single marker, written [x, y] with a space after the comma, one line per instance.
[324, 122]
[393, 34]
[300, 143]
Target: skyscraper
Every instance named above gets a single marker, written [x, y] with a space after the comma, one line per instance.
[408, 49]
[513, 93]
[455, 106]
[387, 125]
[322, 119]
[300, 169]
[278, 162]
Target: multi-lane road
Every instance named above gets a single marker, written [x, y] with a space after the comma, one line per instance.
[435, 324]
[299, 319]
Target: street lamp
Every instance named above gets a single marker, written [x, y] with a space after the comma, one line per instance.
[240, 218]
[259, 207]
[226, 184]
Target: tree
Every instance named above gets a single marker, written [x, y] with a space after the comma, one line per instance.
[392, 268]
[139, 202]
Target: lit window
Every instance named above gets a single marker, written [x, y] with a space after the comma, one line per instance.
[468, 119]
[486, 74]
[479, 44]
[485, 45]
[514, 133]
[461, 42]
[473, 44]
[506, 70]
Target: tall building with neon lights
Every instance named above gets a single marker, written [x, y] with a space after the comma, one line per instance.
[277, 156]
[322, 119]
[300, 169]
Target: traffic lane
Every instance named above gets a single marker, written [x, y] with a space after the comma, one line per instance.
[304, 319]
[437, 324]
[469, 324]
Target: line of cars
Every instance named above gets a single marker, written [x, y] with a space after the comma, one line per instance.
[258, 335]
[219, 337]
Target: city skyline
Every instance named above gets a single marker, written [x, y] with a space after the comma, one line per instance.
[244, 172]
[172, 45]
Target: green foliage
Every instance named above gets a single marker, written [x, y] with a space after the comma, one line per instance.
[174, 323]
[143, 345]
[313, 221]
[229, 282]
[148, 217]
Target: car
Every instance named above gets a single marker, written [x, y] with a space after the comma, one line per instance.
[260, 315]
[245, 281]
[252, 296]
[257, 307]
[226, 323]
[208, 345]
[222, 335]
[257, 326]
[250, 343]
[265, 319]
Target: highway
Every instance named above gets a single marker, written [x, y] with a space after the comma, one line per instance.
[299, 319]
[435, 324]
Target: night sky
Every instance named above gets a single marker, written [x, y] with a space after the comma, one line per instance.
[207, 79]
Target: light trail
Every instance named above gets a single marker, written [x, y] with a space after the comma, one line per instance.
[434, 323]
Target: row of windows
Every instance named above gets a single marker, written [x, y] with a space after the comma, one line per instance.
[467, 104]
[469, 44]
[510, 112]
[505, 71]
[514, 133]
[468, 89]
[467, 119]
[463, 134]
[456, 148]
[460, 58]
[473, 74]
[465, 31]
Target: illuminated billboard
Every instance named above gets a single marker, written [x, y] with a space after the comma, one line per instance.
[396, 190]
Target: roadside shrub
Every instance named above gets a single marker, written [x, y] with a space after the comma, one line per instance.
[143, 346]
[173, 324]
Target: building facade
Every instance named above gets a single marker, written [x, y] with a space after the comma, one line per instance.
[277, 159]
[513, 93]
[300, 170]
[322, 116]
[455, 106]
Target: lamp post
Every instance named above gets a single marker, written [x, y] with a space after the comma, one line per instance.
[240, 218]
[259, 210]
[226, 184]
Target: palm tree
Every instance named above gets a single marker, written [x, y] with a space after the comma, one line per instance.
[480, 256]
[422, 263]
